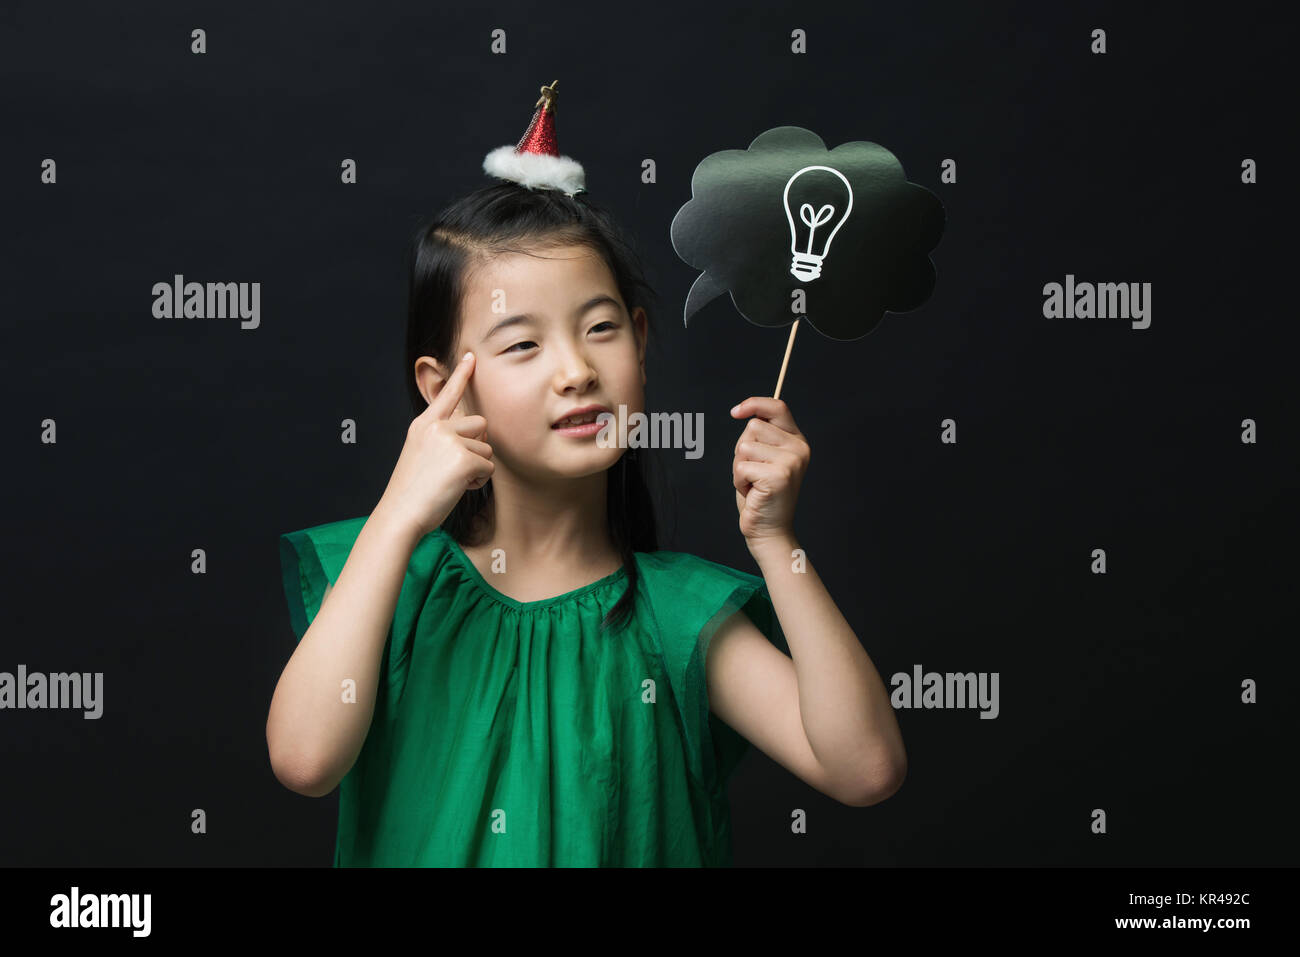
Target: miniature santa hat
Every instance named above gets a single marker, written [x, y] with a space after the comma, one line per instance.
[535, 162]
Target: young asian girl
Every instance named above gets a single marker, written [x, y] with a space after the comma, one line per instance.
[541, 696]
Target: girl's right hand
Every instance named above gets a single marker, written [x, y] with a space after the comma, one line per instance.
[443, 457]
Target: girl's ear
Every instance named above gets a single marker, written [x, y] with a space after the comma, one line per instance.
[430, 376]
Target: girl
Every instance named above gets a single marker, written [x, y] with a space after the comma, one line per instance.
[498, 666]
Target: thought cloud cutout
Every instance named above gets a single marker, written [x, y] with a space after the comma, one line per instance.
[844, 226]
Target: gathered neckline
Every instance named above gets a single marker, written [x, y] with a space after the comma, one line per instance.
[476, 576]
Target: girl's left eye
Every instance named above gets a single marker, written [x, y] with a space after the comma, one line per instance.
[529, 342]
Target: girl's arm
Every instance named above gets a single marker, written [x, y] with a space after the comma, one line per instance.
[843, 703]
[314, 733]
[831, 721]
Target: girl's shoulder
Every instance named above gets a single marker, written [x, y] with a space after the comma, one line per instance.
[311, 560]
[332, 542]
[691, 572]
[691, 595]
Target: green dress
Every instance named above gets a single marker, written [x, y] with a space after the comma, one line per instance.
[518, 734]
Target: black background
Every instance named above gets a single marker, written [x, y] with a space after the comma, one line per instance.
[1118, 691]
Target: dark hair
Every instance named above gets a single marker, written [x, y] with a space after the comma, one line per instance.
[506, 217]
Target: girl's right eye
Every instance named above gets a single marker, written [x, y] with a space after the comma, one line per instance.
[526, 342]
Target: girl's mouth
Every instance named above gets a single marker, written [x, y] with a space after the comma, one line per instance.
[583, 431]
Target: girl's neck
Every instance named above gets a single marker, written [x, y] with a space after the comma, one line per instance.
[581, 541]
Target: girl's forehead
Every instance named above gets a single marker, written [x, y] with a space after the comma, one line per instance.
[566, 273]
[575, 259]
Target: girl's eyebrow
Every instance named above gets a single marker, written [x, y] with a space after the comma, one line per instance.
[526, 317]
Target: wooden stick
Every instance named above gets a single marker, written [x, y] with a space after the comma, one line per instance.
[786, 361]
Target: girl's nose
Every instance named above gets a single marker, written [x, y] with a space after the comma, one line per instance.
[577, 372]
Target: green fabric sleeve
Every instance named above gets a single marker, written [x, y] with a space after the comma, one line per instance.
[310, 559]
[693, 599]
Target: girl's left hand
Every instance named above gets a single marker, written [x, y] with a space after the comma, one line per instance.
[771, 458]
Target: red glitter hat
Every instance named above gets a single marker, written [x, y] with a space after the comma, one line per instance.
[535, 161]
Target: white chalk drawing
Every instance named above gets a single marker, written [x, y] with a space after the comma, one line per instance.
[808, 258]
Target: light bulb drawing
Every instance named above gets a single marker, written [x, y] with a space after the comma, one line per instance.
[807, 260]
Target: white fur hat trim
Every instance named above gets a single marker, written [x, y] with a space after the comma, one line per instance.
[536, 170]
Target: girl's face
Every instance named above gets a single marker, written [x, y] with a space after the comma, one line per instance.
[550, 334]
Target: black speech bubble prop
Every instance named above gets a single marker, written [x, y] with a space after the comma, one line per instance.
[843, 225]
